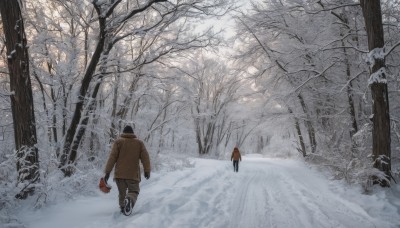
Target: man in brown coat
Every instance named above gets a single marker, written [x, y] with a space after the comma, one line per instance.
[236, 157]
[125, 155]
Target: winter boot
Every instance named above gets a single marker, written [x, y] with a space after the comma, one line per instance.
[128, 206]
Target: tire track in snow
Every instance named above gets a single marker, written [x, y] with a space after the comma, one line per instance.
[252, 204]
[242, 204]
[315, 200]
[299, 199]
[274, 194]
[185, 195]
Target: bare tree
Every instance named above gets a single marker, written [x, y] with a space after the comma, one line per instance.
[21, 96]
[212, 89]
[379, 90]
[77, 127]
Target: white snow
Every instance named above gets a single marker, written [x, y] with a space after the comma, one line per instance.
[377, 53]
[378, 77]
[264, 193]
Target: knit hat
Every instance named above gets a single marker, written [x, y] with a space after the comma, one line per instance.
[128, 129]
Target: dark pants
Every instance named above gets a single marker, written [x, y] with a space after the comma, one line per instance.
[235, 166]
[133, 190]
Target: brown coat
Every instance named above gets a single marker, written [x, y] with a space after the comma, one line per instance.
[236, 155]
[125, 155]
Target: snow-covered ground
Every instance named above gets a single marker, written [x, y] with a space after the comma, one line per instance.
[264, 193]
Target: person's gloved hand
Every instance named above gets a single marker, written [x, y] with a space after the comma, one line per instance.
[106, 177]
[147, 175]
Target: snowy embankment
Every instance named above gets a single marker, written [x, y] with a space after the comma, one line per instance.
[265, 193]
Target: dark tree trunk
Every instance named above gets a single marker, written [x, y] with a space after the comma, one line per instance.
[354, 127]
[21, 98]
[352, 112]
[302, 148]
[380, 102]
[69, 152]
[91, 107]
[309, 126]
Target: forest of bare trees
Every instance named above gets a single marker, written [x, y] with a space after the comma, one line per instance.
[326, 63]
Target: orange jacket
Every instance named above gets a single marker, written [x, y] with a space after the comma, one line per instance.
[125, 155]
[236, 155]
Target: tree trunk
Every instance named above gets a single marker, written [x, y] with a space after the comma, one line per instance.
[21, 98]
[345, 30]
[309, 126]
[113, 128]
[91, 107]
[380, 102]
[69, 150]
[302, 148]
[46, 110]
[352, 112]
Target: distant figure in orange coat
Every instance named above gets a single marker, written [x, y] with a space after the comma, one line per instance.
[236, 157]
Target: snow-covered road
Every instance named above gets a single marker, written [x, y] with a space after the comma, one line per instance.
[264, 193]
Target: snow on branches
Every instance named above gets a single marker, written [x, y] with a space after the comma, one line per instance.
[378, 77]
[377, 53]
